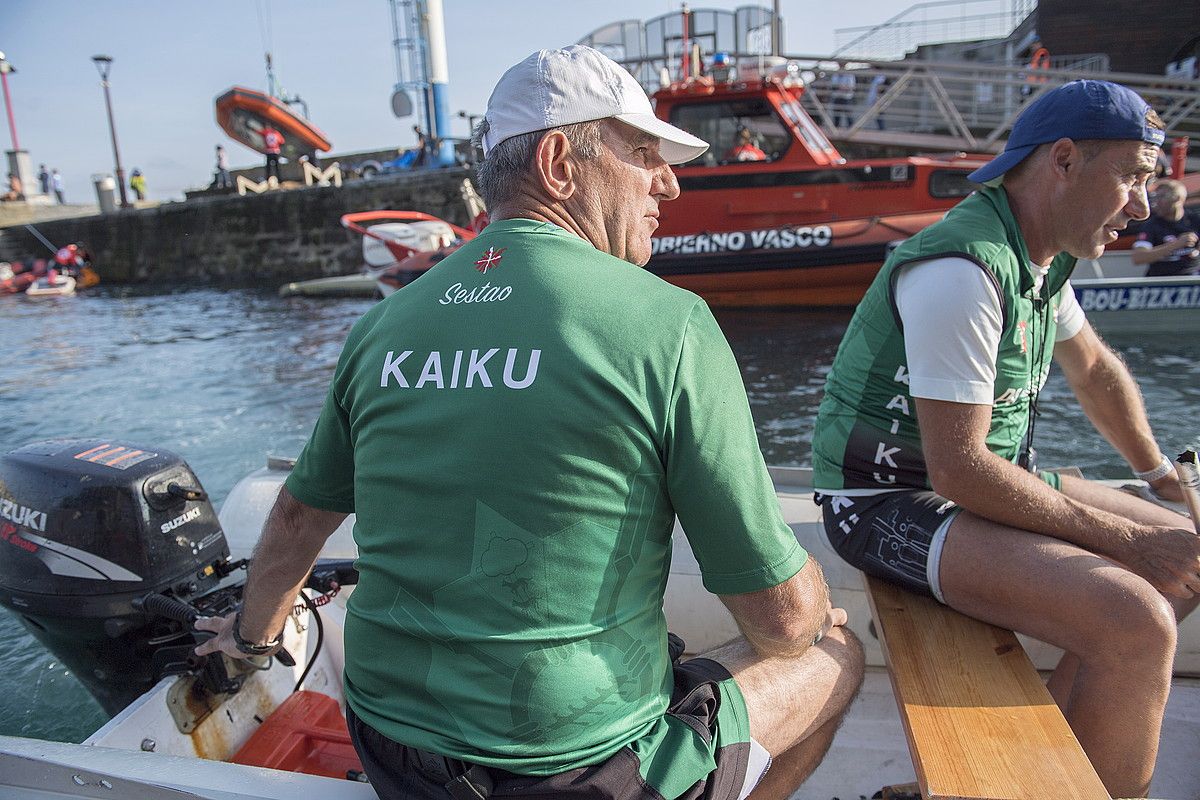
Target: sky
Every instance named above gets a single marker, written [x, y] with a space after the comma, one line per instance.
[172, 58]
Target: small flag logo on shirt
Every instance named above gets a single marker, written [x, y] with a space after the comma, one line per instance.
[490, 260]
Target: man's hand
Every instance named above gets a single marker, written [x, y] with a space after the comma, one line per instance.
[1168, 488]
[1169, 558]
[223, 641]
[834, 618]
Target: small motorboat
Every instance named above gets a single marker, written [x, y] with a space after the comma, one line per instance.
[69, 270]
[396, 249]
[245, 113]
[402, 245]
[116, 609]
[51, 285]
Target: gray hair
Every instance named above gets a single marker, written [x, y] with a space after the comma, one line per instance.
[504, 170]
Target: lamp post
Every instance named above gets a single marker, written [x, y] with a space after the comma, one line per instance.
[18, 159]
[5, 68]
[103, 65]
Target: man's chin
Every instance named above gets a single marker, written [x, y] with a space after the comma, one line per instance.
[1091, 251]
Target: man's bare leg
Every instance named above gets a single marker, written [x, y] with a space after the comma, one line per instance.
[1130, 507]
[1118, 626]
[795, 704]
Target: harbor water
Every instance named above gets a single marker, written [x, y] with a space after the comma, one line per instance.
[225, 376]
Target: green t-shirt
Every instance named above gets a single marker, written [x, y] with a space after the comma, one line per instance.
[516, 431]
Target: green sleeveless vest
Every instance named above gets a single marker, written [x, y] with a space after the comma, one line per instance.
[867, 433]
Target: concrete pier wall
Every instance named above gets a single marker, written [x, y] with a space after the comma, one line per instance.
[271, 238]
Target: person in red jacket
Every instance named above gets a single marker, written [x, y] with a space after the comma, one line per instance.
[272, 144]
[745, 149]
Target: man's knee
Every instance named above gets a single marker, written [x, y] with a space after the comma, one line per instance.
[1135, 623]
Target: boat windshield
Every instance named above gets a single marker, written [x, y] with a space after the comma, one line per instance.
[736, 130]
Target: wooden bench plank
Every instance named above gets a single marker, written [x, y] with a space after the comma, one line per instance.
[980, 723]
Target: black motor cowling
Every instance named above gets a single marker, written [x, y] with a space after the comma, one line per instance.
[88, 528]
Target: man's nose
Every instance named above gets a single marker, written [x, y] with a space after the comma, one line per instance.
[666, 183]
[1138, 206]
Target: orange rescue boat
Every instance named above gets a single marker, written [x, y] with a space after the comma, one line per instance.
[245, 113]
[787, 221]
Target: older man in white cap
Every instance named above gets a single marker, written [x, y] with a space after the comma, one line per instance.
[517, 431]
[923, 449]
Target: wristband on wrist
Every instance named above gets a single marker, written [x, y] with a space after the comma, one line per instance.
[1164, 468]
[249, 648]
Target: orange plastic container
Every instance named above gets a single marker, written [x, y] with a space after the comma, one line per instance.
[307, 733]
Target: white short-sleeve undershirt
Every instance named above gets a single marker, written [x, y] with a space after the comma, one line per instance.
[952, 326]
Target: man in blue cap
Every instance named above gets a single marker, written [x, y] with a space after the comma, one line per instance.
[958, 332]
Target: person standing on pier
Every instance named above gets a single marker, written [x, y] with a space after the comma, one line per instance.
[222, 179]
[137, 182]
[272, 145]
[56, 182]
[44, 179]
[516, 433]
[924, 439]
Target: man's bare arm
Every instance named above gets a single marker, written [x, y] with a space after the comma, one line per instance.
[1148, 255]
[962, 469]
[784, 620]
[291, 540]
[1109, 396]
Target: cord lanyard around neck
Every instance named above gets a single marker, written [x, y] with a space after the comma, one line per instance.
[1037, 361]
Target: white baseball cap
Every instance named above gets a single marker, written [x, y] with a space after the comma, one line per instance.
[552, 88]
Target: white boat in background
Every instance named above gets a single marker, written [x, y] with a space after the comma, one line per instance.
[396, 250]
[1117, 298]
[58, 286]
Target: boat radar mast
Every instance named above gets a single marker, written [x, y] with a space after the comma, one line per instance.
[422, 72]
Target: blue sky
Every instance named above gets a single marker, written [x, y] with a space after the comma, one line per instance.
[173, 57]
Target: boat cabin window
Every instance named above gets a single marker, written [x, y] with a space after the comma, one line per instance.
[949, 183]
[736, 130]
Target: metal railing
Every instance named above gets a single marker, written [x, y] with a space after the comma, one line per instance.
[960, 106]
[926, 23]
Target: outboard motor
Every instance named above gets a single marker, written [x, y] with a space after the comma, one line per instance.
[88, 529]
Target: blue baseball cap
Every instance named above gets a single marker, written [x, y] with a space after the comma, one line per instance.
[1077, 110]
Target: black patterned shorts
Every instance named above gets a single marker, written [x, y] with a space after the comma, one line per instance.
[895, 536]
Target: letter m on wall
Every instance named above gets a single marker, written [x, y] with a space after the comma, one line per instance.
[323, 177]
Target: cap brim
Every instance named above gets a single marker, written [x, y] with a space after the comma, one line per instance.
[676, 146]
[1001, 164]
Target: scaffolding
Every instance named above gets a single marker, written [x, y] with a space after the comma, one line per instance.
[940, 21]
[938, 105]
[917, 105]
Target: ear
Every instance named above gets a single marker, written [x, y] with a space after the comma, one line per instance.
[554, 168]
[1065, 158]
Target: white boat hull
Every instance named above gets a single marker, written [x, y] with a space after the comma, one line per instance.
[1117, 299]
[64, 286]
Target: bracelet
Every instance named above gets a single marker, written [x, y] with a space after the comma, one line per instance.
[250, 648]
[1164, 468]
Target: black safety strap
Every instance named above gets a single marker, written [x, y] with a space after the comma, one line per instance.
[474, 784]
[461, 781]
